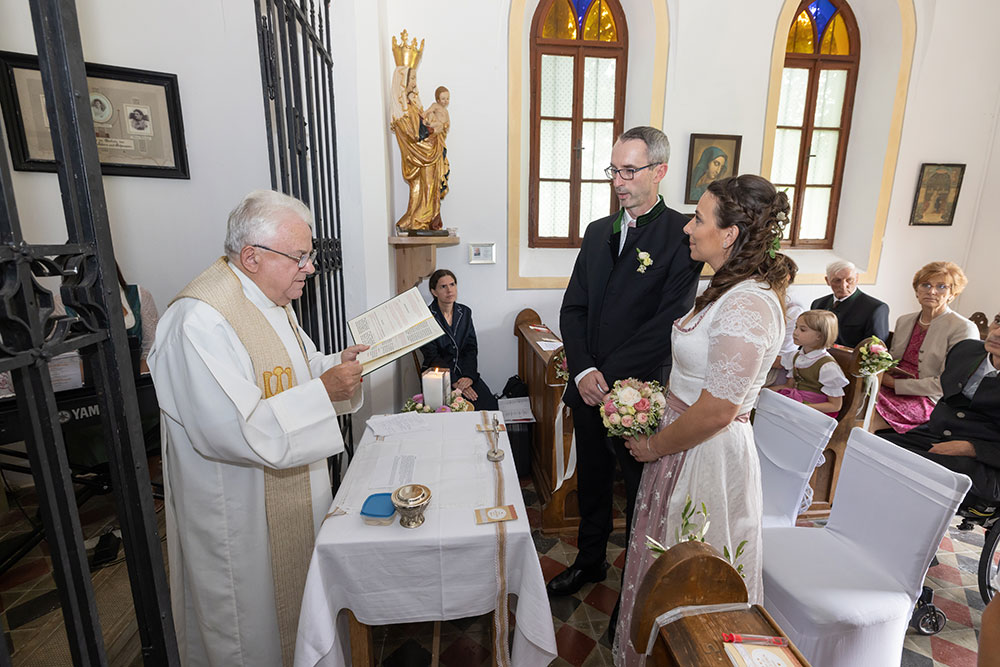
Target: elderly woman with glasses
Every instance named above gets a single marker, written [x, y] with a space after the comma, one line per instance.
[921, 342]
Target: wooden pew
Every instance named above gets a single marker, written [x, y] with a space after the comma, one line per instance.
[982, 323]
[693, 573]
[852, 412]
[560, 508]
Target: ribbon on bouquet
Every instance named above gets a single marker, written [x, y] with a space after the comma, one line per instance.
[563, 471]
[871, 393]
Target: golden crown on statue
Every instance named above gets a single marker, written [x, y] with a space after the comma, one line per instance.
[407, 54]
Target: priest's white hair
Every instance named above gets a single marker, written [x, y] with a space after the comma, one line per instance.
[833, 268]
[255, 219]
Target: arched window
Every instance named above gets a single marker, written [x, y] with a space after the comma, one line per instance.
[578, 50]
[814, 117]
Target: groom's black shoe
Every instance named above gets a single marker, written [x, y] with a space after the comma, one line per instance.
[573, 578]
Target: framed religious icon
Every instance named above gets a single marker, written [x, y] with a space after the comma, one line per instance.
[937, 194]
[136, 116]
[712, 156]
[482, 253]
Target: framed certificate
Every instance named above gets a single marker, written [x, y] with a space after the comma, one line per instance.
[136, 116]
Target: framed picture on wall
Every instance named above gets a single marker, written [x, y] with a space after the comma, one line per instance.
[136, 115]
[711, 157]
[937, 194]
[482, 253]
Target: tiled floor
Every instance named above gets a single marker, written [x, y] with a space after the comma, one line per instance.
[29, 601]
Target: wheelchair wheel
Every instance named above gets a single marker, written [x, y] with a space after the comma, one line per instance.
[989, 563]
[928, 620]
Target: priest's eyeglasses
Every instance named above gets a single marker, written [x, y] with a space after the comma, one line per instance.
[301, 259]
[628, 173]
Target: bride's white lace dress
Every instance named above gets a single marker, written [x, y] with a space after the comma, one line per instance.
[726, 349]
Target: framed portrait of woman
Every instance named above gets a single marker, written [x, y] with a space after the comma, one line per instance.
[711, 157]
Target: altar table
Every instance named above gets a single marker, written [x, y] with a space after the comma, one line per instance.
[443, 570]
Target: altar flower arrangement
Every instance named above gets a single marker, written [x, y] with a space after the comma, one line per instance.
[645, 261]
[456, 403]
[875, 357]
[689, 530]
[562, 366]
[633, 408]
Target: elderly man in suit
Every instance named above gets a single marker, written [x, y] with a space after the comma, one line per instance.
[616, 320]
[963, 432]
[858, 315]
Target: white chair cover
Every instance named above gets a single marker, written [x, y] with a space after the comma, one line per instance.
[845, 593]
[790, 438]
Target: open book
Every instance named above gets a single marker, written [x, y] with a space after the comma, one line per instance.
[393, 328]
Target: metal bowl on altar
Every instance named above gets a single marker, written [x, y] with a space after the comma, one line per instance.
[410, 500]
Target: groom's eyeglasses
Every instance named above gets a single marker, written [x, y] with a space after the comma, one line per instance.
[628, 173]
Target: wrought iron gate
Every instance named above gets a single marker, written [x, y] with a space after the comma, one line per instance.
[297, 75]
[31, 336]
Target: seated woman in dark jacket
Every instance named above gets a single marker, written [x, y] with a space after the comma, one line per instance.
[457, 349]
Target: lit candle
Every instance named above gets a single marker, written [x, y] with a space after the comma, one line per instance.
[435, 384]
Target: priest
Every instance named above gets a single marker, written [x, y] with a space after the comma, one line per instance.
[249, 417]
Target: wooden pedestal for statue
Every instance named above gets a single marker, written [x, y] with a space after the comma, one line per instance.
[416, 258]
[693, 573]
[560, 507]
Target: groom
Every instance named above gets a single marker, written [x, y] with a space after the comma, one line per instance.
[615, 321]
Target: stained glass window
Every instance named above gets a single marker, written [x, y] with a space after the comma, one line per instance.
[801, 38]
[835, 40]
[599, 24]
[577, 108]
[817, 95]
[560, 22]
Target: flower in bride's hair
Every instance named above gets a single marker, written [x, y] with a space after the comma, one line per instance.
[781, 216]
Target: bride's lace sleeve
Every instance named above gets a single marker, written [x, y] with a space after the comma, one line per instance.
[744, 328]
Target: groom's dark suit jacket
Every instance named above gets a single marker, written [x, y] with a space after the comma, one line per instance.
[617, 319]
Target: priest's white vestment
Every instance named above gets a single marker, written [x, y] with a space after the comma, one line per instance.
[218, 434]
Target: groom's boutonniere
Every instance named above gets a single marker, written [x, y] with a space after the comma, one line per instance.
[645, 261]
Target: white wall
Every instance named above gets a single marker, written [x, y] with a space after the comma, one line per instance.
[165, 230]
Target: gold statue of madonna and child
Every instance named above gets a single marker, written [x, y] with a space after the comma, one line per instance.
[421, 137]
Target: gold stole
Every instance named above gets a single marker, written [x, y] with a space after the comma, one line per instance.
[287, 493]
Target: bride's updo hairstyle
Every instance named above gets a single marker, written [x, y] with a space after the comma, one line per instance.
[759, 212]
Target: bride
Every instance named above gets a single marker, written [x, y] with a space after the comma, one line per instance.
[721, 353]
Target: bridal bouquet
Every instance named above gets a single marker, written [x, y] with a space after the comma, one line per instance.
[633, 408]
[875, 357]
[456, 403]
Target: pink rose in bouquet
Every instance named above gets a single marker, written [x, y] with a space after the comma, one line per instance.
[633, 408]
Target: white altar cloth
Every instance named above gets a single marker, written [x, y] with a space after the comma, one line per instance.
[443, 570]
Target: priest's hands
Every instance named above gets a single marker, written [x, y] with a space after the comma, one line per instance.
[593, 387]
[344, 379]
[351, 353]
